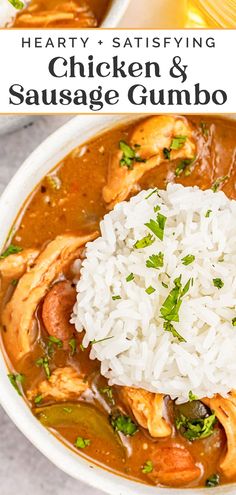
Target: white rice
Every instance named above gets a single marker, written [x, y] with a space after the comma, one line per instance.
[7, 12]
[141, 353]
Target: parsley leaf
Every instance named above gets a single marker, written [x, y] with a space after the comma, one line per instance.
[234, 322]
[147, 467]
[157, 226]
[178, 142]
[183, 166]
[12, 249]
[150, 290]
[38, 399]
[15, 380]
[18, 4]
[101, 340]
[73, 346]
[108, 392]
[124, 424]
[44, 363]
[187, 260]
[144, 242]
[208, 213]
[166, 153]
[213, 480]
[151, 193]
[168, 327]
[218, 283]
[191, 396]
[55, 340]
[155, 261]
[215, 187]
[130, 156]
[204, 129]
[130, 277]
[115, 298]
[81, 443]
[193, 429]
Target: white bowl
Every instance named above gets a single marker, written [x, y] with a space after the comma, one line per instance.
[39, 163]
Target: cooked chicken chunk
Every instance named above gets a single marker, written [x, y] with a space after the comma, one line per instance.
[147, 409]
[64, 384]
[18, 316]
[173, 466]
[149, 140]
[225, 410]
[15, 265]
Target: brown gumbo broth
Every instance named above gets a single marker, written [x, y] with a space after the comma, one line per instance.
[68, 201]
[62, 13]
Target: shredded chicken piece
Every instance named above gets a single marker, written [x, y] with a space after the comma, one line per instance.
[173, 466]
[225, 410]
[15, 265]
[64, 384]
[18, 315]
[149, 139]
[147, 409]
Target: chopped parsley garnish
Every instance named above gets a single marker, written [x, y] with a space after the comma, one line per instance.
[178, 142]
[208, 213]
[73, 346]
[155, 261]
[130, 277]
[38, 399]
[168, 327]
[11, 250]
[183, 166]
[146, 241]
[82, 348]
[150, 290]
[151, 193]
[101, 340]
[156, 208]
[192, 397]
[18, 4]
[14, 282]
[213, 480]
[157, 226]
[171, 306]
[218, 182]
[81, 443]
[193, 429]
[108, 392]
[234, 322]
[130, 156]
[147, 467]
[115, 298]
[124, 424]
[164, 285]
[15, 380]
[166, 153]
[67, 410]
[56, 341]
[187, 260]
[218, 283]
[204, 128]
[43, 363]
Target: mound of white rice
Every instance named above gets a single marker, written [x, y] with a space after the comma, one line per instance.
[140, 352]
[7, 12]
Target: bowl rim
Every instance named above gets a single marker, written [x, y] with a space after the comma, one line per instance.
[41, 161]
[114, 14]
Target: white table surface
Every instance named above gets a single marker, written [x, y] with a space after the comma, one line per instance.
[23, 470]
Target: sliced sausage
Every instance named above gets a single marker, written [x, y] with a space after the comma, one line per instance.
[57, 308]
